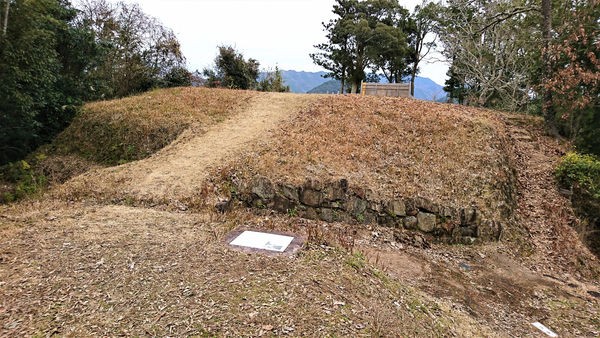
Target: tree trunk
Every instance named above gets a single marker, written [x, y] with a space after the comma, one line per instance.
[5, 24]
[547, 110]
[343, 81]
[354, 87]
[413, 75]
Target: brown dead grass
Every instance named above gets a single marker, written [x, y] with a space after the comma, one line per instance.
[176, 175]
[76, 270]
[113, 132]
[86, 269]
[450, 154]
[133, 128]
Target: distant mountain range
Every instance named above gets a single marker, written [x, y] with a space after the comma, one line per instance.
[314, 82]
[302, 82]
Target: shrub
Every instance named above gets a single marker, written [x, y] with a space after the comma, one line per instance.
[580, 170]
[22, 179]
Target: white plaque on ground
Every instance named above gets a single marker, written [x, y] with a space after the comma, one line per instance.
[264, 241]
[544, 329]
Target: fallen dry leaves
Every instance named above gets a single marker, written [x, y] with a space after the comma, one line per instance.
[450, 154]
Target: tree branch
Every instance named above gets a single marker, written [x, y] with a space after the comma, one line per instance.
[500, 17]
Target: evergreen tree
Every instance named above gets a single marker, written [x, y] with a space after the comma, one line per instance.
[43, 67]
[231, 70]
[273, 82]
[365, 34]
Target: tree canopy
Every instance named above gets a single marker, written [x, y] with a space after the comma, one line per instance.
[53, 57]
[232, 70]
[529, 56]
[371, 34]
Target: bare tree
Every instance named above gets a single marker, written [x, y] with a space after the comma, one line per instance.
[137, 50]
[5, 24]
[489, 51]
[547, 110]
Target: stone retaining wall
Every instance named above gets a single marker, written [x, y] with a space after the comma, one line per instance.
[336, 202]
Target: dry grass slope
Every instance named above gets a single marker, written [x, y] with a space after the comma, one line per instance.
[93, 268]
[133, 128]
[448, 154]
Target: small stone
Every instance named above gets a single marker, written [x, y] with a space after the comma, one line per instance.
[426, 222]
[376, 207]
[356, 206]
[287, 329]
[336, 191]
[425, 204]
[396, 208]
[410, 222]
[465, 266]
[420, 242]
[327, 215]
[188, 292]
[312, 184]
[263, 188]
[223, 206]
[282, 204]
[309, 213]
[310, 197]
[290, 192]
[468, 216]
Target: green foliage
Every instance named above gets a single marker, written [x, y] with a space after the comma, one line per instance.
[455, 86]
[583, 170]
[54, 57]
[177, 77]
[574, 81]
[356, 261]
[273, 82]
[136, 52]
[43, 69]
[25, 180]
[365, 34]
[231, 70]
[588, 137]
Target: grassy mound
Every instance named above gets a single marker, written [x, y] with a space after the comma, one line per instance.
[117, 131]
[113, 132]
[449, 154]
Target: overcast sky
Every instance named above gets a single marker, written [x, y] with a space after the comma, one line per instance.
[275, 32]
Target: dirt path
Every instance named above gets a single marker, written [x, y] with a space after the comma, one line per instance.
[178, 171]
[546, 215]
